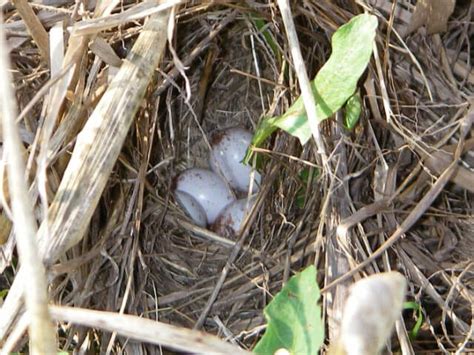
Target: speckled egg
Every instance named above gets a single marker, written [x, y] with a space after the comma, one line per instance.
[232, 217]
[192, 208]
[207, 188]
[228, 148]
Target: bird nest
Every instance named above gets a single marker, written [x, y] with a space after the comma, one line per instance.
[114, 239]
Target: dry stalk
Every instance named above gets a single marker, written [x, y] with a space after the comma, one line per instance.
[146, 330]
[36, 296]
[301, 73]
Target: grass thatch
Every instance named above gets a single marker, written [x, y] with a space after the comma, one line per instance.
[109, 121]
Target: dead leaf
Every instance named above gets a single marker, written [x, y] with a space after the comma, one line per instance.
[432, 13]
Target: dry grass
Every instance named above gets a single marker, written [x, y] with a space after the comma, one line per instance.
[396, 193]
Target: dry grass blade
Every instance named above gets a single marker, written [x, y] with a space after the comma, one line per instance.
[360, 215]
[36, 296]
[146, 330]
[56, 47]
[137, 12]
[439, 160]
[105, 52]
[34, 26]
[16, 334]
[100, 142]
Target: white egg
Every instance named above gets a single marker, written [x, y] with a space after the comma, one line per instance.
[228, 151]
[231, 218]
[207, 188]
[192, 208]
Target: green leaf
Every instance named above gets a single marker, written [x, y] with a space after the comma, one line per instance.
[295, 121]
[261, 26]
[352, 111]
[335, 83]
[263, 131]
[419, 321]
[294, 317]
[3, 293]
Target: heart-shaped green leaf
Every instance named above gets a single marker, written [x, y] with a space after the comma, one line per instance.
[335, 83]
[294, 318]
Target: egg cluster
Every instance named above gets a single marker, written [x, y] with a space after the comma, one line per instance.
[209, 196]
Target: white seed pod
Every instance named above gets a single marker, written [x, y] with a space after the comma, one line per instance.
[232, 217]
[228, 148]
[371, 309]
[192, 208]
[208, 189]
